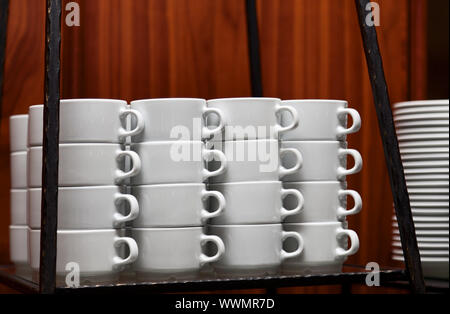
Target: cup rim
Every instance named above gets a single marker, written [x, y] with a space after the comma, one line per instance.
[317, 142]
[81, 231]
[18, 116]
[36, 107]
[322, 101]
[92, 100]
[18, 153]
[167, 185]
[80, 145]
[247, 226]
[224, 142]
[247, 183]
[168, 228]
[16, 227]
[314, 182]
[167, 142]
[87, 187]
[238, 99]
[175, 99]
[311, 224]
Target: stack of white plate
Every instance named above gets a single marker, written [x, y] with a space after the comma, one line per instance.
[423, 135]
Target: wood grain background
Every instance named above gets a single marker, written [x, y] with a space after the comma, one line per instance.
[138, 49]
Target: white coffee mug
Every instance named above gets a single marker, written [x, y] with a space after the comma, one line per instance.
[254, 160]
[19, 207]
[322, 161]
[325, 247]
[87, 207]
[87, 121]
[173, 251]
[18, 132]
[320, 119]
[85, 165]
[94, 253]
[175, 205]
[325, 201]
[175, 119]
[255, 203]
[18, 245]
[254, 249]
[19, 166]
[251, 118]
[175, 162]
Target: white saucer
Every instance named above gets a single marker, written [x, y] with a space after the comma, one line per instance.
[425, 150]
[422, 123]
[426, 219]
[424, 157]
[432, 198]
[422, 137]
[430, 205]
[436, 233]
[421, 103]
[442, 170]
[443, 240]
[426, 253]
[430, 212]
[438, 246]
[427, 184]
[437, 191]
[427, 226]
[426, 177]
[418, 144]
[422, 130]
[398, 257]
[419, 110]
[422, 116]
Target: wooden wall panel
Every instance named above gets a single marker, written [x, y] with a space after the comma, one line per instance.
[198, 48]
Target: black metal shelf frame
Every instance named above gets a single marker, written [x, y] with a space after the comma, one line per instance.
[47, 282]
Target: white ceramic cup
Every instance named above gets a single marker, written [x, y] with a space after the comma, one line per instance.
[87, 121]
[322, 161]
[169, 119]
[19, 207]
[173, 251]
[254, 249]
[251, 118]
[98, 253]
[18, 132]
[254, 160]
[325, 201]
[85, 165]
[18, 245]
[320, 119]
[175, 205]
[175, 162]
[87, 207]
[325, 247]
[255, 203]
[19, 166]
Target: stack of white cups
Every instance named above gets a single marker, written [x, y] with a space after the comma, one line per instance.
[18, 229]
[171, 191]
[250, 225]
[93, 204]
[321, 140]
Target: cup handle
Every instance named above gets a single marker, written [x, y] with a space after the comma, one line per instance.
[291, 234]
[136, 161]
[343, 172]
[343, 212]
[134, 251]
[204, 259]
[356, 122]
[300, 202]
[220, 199]
[206, 132]
[284, 171]
[140, 123]
[223, 163]
[342, 253]
[295, 118]
[134, 208]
